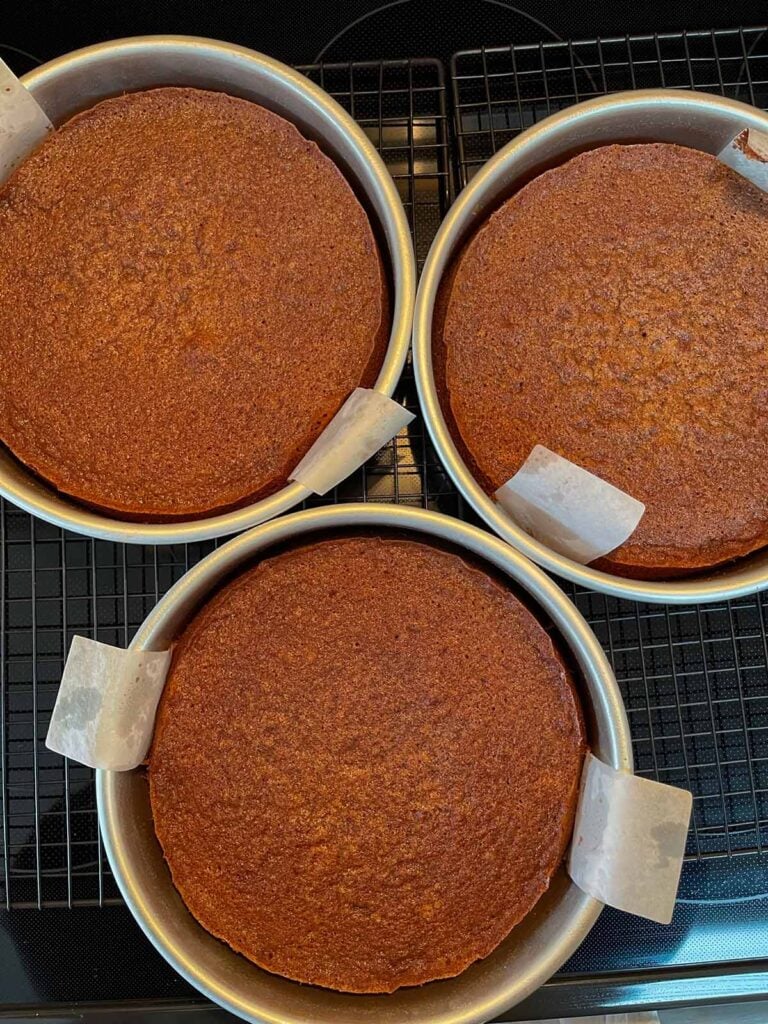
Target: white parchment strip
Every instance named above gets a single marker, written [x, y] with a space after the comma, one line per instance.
[568, 508]
[629, 840]
[365, 422]
[104, 714]
[747, 154]
[23, 122]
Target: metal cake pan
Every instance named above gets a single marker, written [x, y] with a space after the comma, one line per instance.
[526, 959]
[80, 79]
[692, 119]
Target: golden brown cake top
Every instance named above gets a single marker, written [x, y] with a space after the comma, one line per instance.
[189, 290]
[614, 310]
[365, 764]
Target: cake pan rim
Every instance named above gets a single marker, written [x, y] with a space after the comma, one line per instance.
[600, 694]
[61, 79]
[568, 130]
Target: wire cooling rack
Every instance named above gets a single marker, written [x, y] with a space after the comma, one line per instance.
[695, 680]
[499, 92]
[55, 584]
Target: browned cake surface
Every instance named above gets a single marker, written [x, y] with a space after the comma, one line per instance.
[614, 310]
[189, 290]
[365, 764]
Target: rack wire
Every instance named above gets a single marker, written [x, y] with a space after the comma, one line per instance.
[694, 679]
[499, 92]
[55, 584]
[401, 105]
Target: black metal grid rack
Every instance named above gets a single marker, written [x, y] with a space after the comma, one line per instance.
[54, 584]
[499, 92]
[401, 105]
[694, 679]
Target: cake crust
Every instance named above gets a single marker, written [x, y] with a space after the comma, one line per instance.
[613, 310]
[189, 291]
[365, 763]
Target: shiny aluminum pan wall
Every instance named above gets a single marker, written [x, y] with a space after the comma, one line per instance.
[523, 962]
[691, 119]
[77, 81]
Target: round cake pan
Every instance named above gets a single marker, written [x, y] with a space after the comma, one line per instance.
[533, 951]
[77, 81]
[692, 119]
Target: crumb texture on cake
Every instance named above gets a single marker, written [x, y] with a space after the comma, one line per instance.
[189, 290]
[614, 310]
[365, 763]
